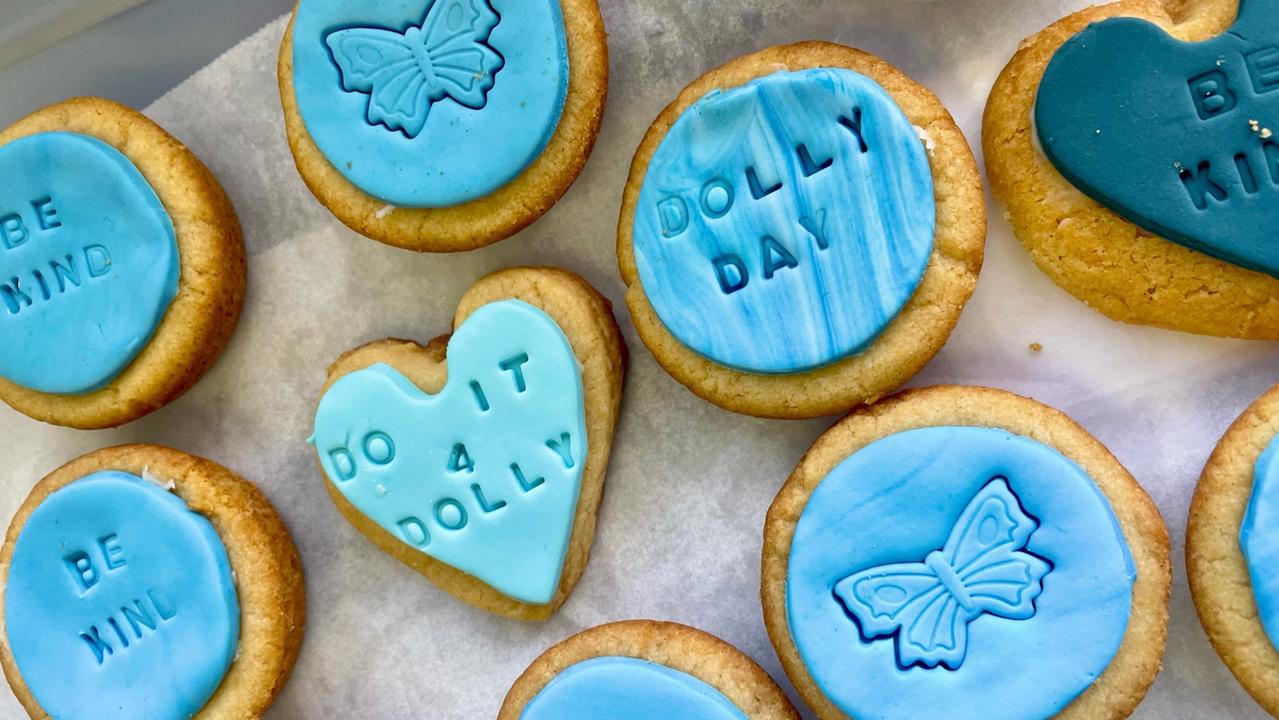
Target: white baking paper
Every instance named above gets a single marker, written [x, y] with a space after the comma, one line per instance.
[680, 527]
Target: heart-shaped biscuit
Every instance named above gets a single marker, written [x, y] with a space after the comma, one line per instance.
[479, 459]
[1179, 138]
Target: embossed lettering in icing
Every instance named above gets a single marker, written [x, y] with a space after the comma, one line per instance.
[120, 602]
[782, 224]
[51, 278]
[483, 475]
[88, 262]
[404, 74]
[983, 569]
[1180, 138]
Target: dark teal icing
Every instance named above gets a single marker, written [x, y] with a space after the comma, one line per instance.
[1180, 138]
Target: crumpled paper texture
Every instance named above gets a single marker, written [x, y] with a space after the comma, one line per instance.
[680, 526]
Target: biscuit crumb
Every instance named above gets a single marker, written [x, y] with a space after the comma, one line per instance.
[386, 210]
[1036, 347]
[157, 480]
[929, 143]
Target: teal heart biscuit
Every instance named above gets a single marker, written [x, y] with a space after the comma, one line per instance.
[1180, 138]
[484, 475]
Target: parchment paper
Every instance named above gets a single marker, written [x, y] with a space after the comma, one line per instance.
[680, 527]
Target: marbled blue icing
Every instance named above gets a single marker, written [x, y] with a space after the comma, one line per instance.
[901, 498]
[120, 603]
[88, 262]
[484, 475]
[430, 103]
[784, 223]
[1180, 138]
[622, 688]
[1259, 539]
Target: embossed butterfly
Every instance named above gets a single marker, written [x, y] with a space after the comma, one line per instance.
[406, 73]
[983, 569]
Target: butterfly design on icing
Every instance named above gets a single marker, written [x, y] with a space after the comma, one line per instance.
[983, 569]
[404, 74]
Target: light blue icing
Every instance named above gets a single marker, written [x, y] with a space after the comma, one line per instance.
[88, 262]
[430, 103]
[815, 268]
[622, 688]
[484, 475]
[903, 497]
[1259, 539]
[120, 603]
[983, 569]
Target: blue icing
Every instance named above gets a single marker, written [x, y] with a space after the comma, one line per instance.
[88, 262]
[430, 103]
[484, 475]
[1168, 140]
[784, 223]
[621, 688]
[119, 603]
[1015, 554]
[1259, 539]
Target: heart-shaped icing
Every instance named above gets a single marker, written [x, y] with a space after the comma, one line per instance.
[1180, 138]
[784, 223]
[120, 603]
[88, 262]
[485, 474]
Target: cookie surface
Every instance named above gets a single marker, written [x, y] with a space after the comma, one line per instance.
[123, 262]
[645, 669]
[1127, 270]
[1230, 540]
[800, 231]
[95, 622]
[479, 459]
[925, 543]
[442, 125]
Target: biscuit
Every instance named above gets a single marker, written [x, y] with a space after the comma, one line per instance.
[639, 669]
[968, 549]
[140, 581]
[122, 265]
[1114, 247]
[458, 158]
[1228, 561]
[478, 459]
[820, 273]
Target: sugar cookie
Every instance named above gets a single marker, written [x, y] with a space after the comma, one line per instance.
[121, 265]
[800, 230]
[479, 459]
